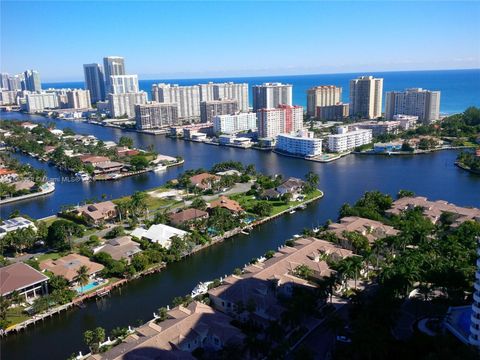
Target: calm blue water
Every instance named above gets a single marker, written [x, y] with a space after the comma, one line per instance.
[460, 88]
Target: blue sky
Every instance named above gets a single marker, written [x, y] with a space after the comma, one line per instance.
[226, 38]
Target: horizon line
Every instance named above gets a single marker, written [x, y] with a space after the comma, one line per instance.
[152, 76]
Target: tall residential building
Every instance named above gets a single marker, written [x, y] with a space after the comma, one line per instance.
[4, 77]
[94, 81]
[124, 104]
[270, 95]
[417, 102]
[283, 119]
[320, 96]
[366, 97]
[78, 99]
[155, 115]
[186, 97]
[229, 90]
[36, 102]
[8, 97]
[474, 337]
[112, 65]
[32, 80]
[332, 112]
[232, 124]
[346, 140]
[302, 143]
[123, 84]
[209, 109]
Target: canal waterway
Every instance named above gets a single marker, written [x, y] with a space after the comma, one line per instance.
[432, 175]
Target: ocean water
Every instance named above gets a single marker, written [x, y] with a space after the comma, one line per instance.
[459, 88]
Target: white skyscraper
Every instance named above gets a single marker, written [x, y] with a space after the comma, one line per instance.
[32, 80]
[155, 115]
[270, 95]
[124, 104]
[228, 90]
[122, 84]
[366, 97]
[94, 81]
[113, 65]
[417, 102]
[186, 97]
[78, 99]
[231, 124]
[36, 102]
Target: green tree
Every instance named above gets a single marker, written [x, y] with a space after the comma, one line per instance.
[125, 141]
[199, 203]
[262, 208]
[82, 276]
[93, 338]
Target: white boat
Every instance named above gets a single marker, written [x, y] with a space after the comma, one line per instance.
[296, 236]
[316, 229]
[159, 168]
[261, 259]
[200, 289]
[83, 176]
[302, 207]
[291, 212]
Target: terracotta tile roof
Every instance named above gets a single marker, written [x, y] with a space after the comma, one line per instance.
[225, 202]
[93, 159]
[371, 229]
[204, 180]
[120, 248]
[187, 215]
[194, 325]
[67, 266]
[18, 276]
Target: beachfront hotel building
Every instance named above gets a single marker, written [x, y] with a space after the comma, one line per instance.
[112, 65]
[94, 82]
[155, 115]
[302, 143]
[186, 97]
[124, 104]
[366, 97]
[416, 102]
[209, 109]
[232, 124]
[346, 140]
[320, 96]
[229, 90]
[282, 120]
[270, 95]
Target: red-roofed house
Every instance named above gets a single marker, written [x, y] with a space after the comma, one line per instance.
[204, 181]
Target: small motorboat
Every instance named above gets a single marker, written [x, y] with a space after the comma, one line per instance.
[200, 289]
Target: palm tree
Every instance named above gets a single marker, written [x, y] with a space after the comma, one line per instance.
[82, 276]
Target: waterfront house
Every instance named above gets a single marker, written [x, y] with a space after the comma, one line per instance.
[262, 282]
[371, 229]
[120, 248]
[28, 125]
[125, 151]
[186, 329]
[23, 185]
[108, 167]
[93, 159]
[67, 266]
[186, 216]
[291, 185]
[433, 210]
[98, 213]
[24, 279]
[204, 181]
[15, 224]
[270, 194]
[387, 147]
[227, 203]
[7, 175]
[159, 233]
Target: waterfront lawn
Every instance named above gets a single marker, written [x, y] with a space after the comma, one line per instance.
[249, 201]
[50, 255]
[16, 315]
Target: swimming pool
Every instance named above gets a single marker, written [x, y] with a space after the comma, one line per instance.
[87, 287]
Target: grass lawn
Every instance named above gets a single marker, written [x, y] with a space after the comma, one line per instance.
[248, 201]
[15, 315]
[50, 255]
